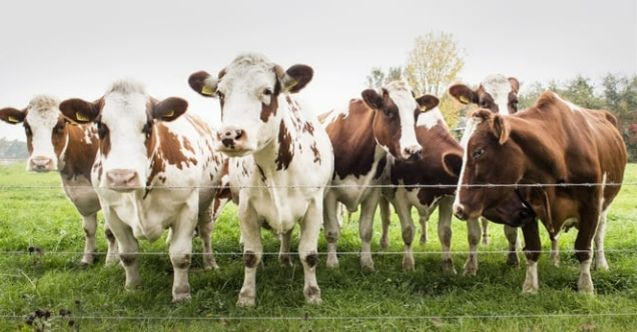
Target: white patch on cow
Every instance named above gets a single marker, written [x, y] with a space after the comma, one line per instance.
[430, 119]
[42, 116]
[571, 106]
[531, 283]
[124, 114]
[472, 124]
[499, 87]
[341, 111]
[402, 96]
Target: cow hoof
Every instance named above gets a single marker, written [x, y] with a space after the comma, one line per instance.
[211, 266]
[246, 302]
[470, 269]
[367, 265]
[408, 264]
[513, 260]
[177, 298]
[332, 262]
[423, 239]
[312, 295]
[585, 287]
[285, 261]
[529, 290]
[87, 260]
[485, 240]
[448, 268]
[601, 265]
[314, 301]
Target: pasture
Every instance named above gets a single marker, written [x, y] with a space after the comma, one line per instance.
[41, 240]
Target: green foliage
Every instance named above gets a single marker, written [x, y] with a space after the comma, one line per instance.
[353, 300]
[378, 77]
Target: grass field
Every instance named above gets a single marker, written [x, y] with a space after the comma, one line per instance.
[388, 298]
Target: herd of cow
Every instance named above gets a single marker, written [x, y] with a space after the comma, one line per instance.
[149, 167]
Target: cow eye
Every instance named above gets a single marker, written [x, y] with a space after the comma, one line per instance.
[478, 153]
[102, 130]
[485, 104]
[267, 92]
[220, 95]
[389, 115]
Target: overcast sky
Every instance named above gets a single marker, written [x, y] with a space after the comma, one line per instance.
[76, 48]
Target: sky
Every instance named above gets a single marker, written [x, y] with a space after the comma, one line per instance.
[76, 48]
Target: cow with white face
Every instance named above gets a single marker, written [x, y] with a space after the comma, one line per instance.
[364, 134]
[292, 158]
[499, 94]
[155, 169]
[55, 144]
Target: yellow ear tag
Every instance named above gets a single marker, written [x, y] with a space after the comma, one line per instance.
[206, 90]
[13, 119]
[290, 84]
[79, 116]
[464, 100]
[169, 114]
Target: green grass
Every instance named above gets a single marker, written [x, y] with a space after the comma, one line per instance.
[425, 299]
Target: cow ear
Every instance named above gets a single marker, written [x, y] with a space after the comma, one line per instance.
[463, 94]
[169, 109]
[481, 115]
[80, 111]
[515, 84]
[12, 115]
[500, 128]
[373, 99]
[203, 83]
[452, 163]
[427, 102]
[295, 78]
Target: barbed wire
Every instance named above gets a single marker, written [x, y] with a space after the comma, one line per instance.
[392, 186]
[40, 252]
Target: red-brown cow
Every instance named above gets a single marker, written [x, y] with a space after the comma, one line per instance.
[553, 142]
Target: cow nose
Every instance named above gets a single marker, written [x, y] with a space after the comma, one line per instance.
[122, 179]
[413, 152]
[459, 212]
[41, 163]
[231, 135]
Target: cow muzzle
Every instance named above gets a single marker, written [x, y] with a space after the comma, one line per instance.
[122, 180]
[412, 153]
[234, 141]
[41, 164]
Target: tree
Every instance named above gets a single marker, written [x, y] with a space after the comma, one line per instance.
[378, 77]
[433, 64]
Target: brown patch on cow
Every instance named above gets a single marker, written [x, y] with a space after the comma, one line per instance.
[381, 167]
[286, 149]
[79, 155]
[263, 177]
[316, 153]
[312, 259]
[308, 128]
[109, 235]
[201, 127]
[250, 259]
[269, 110]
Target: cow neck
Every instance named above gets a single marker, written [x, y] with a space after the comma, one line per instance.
[356, 150]
[77, 157]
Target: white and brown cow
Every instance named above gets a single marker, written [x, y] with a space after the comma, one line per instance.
[430, 169]
[499, 94]
[363, 134]
[155, 169]
[551, 143]
[55, 144]
[291, 155]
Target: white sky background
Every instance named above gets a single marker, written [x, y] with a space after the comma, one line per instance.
[74, 48]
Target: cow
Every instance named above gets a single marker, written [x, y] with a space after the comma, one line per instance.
[498, 94]
[155, 169]
[291, 158]
[553, 151]
[364, 133]
[439, 149]
[55, 144]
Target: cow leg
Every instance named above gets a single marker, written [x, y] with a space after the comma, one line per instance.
[600, 256]
[473, 236]
[205, 226]
[485, 230]
[112, 253]
[284, 249]
[90, 227]
[555, 252]
[583, 248]
[444, 233]
[180, 251]
[403, 209]
[308, 252]
[532, 246]
[332, 230]
[511, 233]
[252, 252]
[366, 229]
[423, 220]
[385, 217]
[128, 248]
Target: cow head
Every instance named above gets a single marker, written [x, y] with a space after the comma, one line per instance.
[490, 146]
[125, 118]
[44, 126]
[496, 93]
[250, 90]
[397, 110]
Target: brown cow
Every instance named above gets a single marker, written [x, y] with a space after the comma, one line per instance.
[553, 142]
